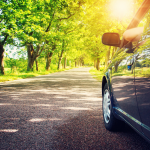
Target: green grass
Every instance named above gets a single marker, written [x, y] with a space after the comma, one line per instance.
[139, 72]
[122, 73]
[9, 76]
[143, 72]
[97, 74]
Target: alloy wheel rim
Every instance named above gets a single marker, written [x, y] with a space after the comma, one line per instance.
[106, 106]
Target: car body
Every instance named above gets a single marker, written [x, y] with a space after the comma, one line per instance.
[126, 83]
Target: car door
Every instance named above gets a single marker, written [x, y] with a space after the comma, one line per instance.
[123, 87]
[142, 77]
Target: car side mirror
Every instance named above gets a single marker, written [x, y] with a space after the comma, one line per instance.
[111, 39]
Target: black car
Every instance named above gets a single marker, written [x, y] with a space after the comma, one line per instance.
[126, 83]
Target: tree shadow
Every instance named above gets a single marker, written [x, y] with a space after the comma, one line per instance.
[87, 132]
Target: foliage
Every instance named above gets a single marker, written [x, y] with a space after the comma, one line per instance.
[9, 76]
[56, 31]
[97, 74]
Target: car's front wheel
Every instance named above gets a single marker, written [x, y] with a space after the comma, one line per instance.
[111, 123]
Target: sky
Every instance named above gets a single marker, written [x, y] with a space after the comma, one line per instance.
[15, 52]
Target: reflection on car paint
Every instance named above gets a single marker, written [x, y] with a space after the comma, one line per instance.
[135, 120]
[129, 78]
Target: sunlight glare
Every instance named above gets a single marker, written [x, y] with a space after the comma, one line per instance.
[121, 8]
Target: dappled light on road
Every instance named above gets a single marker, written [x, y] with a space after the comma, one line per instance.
[56, 111]
[42, 119]
[8, 130]
[5, 104]
[37, 120]
[47, 105]
[75, 108]
[123, 98]
[44, 102]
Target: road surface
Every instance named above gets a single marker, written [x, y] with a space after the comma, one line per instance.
[60, 111]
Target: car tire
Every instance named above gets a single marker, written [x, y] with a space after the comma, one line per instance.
[111, 123]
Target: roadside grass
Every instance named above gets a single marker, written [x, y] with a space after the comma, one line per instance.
[139, 72]
[123, 73]
[142, 72]
[97, 74]
[10, 76]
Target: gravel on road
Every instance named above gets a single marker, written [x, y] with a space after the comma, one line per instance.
[59, 111]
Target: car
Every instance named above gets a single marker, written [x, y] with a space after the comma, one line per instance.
[126, 82]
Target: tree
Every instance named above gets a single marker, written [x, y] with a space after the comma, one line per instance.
[8, 28]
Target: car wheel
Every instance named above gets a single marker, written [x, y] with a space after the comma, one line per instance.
[111, 123]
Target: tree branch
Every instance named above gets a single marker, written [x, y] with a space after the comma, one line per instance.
[66, 17]
[41, 50]
[3, 42]
[71, 31]
[18, 45]
[1, 20]
[50, 23]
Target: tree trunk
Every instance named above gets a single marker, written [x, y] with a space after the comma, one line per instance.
[32, 55]
[60, 57]
[82, 62]
[116, 67]
[79, 63]
[75, 63]
[65, 62]
[107, 57]
[114, 49]
[132, 68]
[37, 65]
[2, 59]
[30, 52]
[48, 60]
[94, 63]
[48, 63]
[59, 63]
[30, 64]
[97, 64]
[49, 57]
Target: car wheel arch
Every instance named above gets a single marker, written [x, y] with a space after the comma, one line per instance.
[104, 81]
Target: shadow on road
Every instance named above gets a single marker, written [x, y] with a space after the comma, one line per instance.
[87, 132]
[58, 112]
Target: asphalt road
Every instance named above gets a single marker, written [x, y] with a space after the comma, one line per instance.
[60, 111]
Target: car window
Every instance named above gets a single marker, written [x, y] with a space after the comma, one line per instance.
[126, 57]
[146, 24]
[143, 50]
[142, 76]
